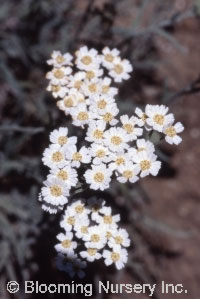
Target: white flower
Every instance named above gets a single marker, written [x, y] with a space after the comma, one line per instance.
[120, 69]
[95, 132]
[108, 115]
[81, 227]
[95, 238]
[57, 90]
[98, 177]
[118, 159]
[58, 59]
[81, 115]
[55, 192]
[99, 103]
[142, 118]
[67, 174]
[77, 157]
[54, 156]
[96, 207]
[105, 88]
[87, 59]
[116, 139]
[93, 73]
[145, 145]
[60, 137]
[129, 124]
[128, 172]
[100, 154]
[51, 209]
[157, 117]
[147, 163]
[79, 208]
[91, 254]
[59, 76]
[66, 244]
[69, 220]
[91, 87]
[171, 133]
[119, 237]
[76, 80]
[72, 99]
[108, 221]
[118, 256]
[109, 56]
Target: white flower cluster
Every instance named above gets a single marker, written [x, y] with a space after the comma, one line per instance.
[91, 233]
[112, 147]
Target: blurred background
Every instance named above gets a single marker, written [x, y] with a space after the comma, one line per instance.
[162, 40]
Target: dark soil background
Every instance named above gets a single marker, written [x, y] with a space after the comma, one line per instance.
[162, 40]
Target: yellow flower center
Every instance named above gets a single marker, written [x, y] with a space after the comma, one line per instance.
[108, 235]
[62, 140]
[128, 128]
[107, 219]
[91, 251]
[71, 220]
[92, 87]
[56, 190]
[118, 240]
[128, 174]
[115, 256]
[77, 84]
[68, 102]
[120, 160]
[141, 149]
[86, 60]
[55, 88]
[159, 119]
[145, 165]
[57, 157]
[66, 243]
[82, 116]
[59, 74]
[63, 175]
[107, 117]
[84, 229]
[79, 209]
[118, 69]
[105, 88]
[171, 132]
[109, 57]
[144, 117]
[98, 134]
[90, 75]
[95, 238]
[116, 140]
[99, 177]
[101, 104]
[60, 59]
[77, 156]
[100, 153]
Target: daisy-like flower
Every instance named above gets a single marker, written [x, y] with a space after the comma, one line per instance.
[87, 59]
[81, 115]
[76, 80]
[109, 57]
[69, 220]
[91, 87]
[51, 209]
[77, 157]
[81, 227]
[60, 137]
[95, 238]
[120, 69]
[58, 59]
[145, 145]
[118, 256]
[119, 237]
[79, 207]
[171, 133]
[95, 132]
[57, 90]
[54, 156]
[100, 154]
[67, 174]
[147, 163]
[118, 159]
[66, 245]
[91, 254]
[142, 118]
[116, 139]
[99, 103]
[129, 124]
[106, 88]
[157, 117]
[96, 207]
[108, 221]
[109, 114]
[128, 172]
[55, 192]
[92, 74]
[59, 76]
[98, 177]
